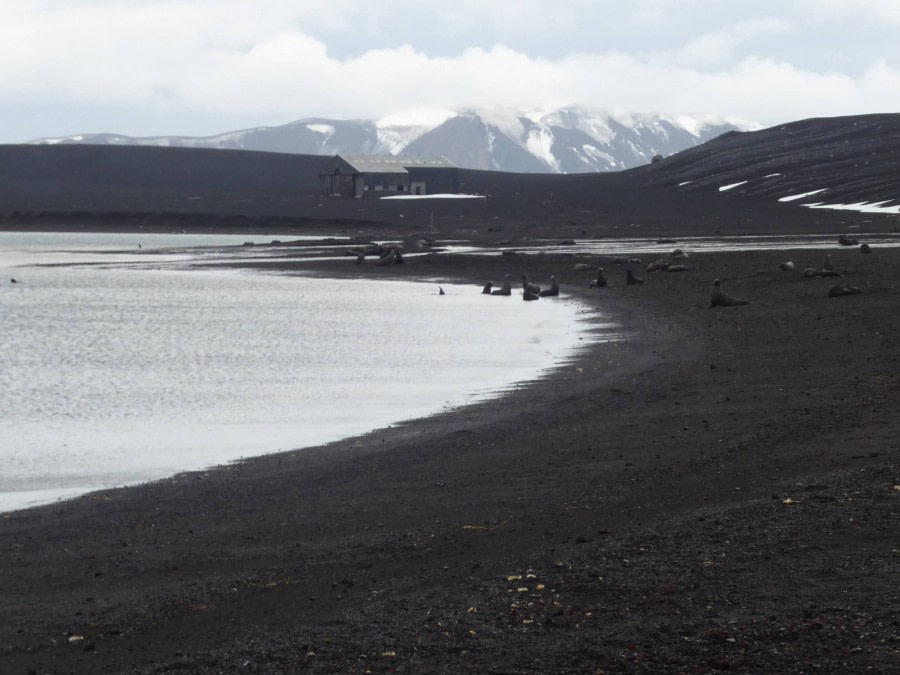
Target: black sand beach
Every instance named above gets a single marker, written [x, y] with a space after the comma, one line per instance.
[717, 492]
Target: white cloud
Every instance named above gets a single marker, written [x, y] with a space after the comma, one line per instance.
[148, 67]
[720, 48]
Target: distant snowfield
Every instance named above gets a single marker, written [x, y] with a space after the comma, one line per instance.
[436, 196]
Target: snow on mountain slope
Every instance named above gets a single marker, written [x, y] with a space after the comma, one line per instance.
[568, 140]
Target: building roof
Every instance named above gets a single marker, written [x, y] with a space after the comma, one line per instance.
[394, 163]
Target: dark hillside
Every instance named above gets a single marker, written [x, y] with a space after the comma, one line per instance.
[123, 178]
[855, 158]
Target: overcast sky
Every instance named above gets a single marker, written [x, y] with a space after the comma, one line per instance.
[203, 67]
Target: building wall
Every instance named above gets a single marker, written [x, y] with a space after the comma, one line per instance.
[379, 184]
[437, 180]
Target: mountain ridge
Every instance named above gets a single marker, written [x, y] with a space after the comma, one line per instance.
[566, 140]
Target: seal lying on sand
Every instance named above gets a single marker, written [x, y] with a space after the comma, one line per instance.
[812, 272]
[600, 281]
[505, 287]
[837, 291]
[719, 299]
[828, 265]
[552, 291]
[786, 266]
[529, 294]
[865, 248]
[844, 240]
[632, 280]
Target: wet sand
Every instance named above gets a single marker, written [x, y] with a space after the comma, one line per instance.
[719, 491]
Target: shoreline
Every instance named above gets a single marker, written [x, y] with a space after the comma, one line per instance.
[639, 497]
[308, 433]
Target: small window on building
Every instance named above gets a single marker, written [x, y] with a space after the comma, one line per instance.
[399, 188]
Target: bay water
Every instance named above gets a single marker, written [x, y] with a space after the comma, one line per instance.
[113, 371]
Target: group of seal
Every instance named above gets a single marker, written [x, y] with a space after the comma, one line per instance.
[394, 257]
[386, 255]
[828, 270]
[530, 291]
[505, 287]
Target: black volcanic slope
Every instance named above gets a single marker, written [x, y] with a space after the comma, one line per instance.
[96, 178]
[855, 158]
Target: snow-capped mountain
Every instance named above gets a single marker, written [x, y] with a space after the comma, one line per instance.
[568, 140]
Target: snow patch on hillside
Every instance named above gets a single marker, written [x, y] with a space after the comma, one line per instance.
[802, 195]
[540, 144]
[324, 129]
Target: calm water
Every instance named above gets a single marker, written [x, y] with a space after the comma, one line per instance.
[115, 374]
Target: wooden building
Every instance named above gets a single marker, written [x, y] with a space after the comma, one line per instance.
[383, 175]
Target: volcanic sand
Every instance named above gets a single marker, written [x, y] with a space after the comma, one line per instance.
[718, 490]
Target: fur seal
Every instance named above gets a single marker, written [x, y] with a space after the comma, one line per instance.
[13, 281]
[529, 294]
[660, 265]
[441, 291]
[837, 291]
[844, 240]
[527, 286]
[360, 258]
[600, 281]
[828, 265]
[552, 291]
[812, 272]
[719, 299]
[583, 267]
[679, 268]
[786, 266]
[487, 288]
[505, 287]
[865, 248]
[632, 280]
[389, 259]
